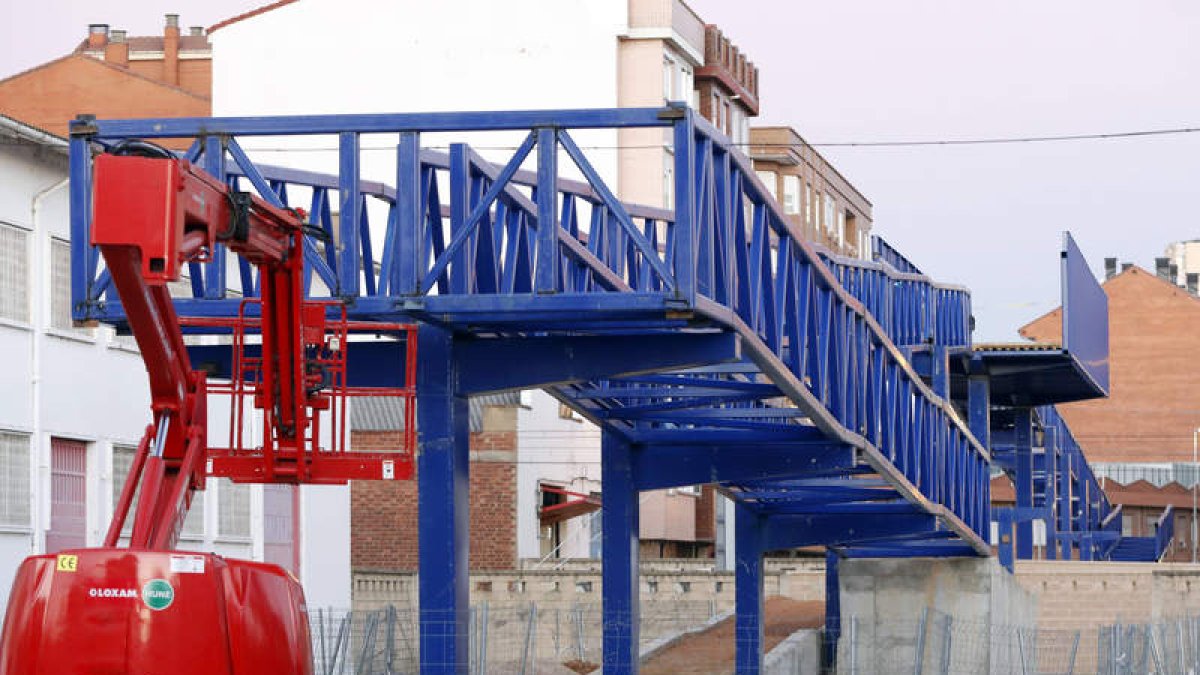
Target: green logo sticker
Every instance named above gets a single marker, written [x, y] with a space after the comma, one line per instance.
[158, 594]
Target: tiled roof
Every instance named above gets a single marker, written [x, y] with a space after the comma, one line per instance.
[380, 413]
[154, 43]
[246, 15]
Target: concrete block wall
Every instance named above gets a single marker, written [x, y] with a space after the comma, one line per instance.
[1073, 595]
[882, 602]
[687, 591]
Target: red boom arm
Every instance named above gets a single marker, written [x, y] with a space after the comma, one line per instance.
[151, 216]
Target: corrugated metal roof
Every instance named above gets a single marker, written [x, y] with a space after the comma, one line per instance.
[386, 413]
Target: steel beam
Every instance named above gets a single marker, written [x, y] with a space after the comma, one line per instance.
[442, 523]
[619, 517]
[749, 530]
[677, 465]
[488, 364]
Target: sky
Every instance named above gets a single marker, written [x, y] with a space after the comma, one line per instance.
[986, 216]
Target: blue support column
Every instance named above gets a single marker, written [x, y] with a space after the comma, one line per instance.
[407, 256]
[442, 438]
[546, 271]
[833, 609]
[1064, 503]
[1005, 539]
[1023, 479]
[350, 203]
[1050, 466]
[979, 405]
[82, 272]
[619, 556]
[215, 284]
[748, 579]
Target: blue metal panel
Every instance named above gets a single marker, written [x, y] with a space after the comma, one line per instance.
[1023, 478]
[620, 556]
[443, 541]
[1085, 314]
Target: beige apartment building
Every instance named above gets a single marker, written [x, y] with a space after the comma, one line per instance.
[819, 200]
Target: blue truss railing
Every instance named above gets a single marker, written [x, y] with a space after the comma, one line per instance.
[882, 251]
[726, 258]
[911, 307]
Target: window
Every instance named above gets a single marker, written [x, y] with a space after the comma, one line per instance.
[668, 199]
[768, 180]
[14, 273]
[233, 505]
[668, 78]
[808, 204]
[122, 460]
[830, 222]
[14, 479]
[841, 229]
[60, 284]
[193, 523]
[791, 194]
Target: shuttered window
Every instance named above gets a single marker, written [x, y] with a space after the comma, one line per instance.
[14, 479]
[60, 284]
[233, 505]
[14, 273]
[193, 523]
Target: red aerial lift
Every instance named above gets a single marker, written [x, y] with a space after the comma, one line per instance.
[148, 608]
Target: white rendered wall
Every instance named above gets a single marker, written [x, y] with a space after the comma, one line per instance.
[563, 451]
[86, 385]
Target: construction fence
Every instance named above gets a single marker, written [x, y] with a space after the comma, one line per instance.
[505, 640]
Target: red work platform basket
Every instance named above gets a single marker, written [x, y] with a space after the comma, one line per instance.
[312, 444]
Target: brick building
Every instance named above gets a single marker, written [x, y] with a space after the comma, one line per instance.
[817, 199]
[114, 75]
[383, 514]
[1139, 440]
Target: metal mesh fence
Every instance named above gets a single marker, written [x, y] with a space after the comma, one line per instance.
[1159, 648]
[502, 640]
[938, 643]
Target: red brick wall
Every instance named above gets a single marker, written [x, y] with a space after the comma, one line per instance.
[1154, 335]
[383, 516]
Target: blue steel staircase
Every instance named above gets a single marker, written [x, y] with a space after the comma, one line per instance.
[710, 343]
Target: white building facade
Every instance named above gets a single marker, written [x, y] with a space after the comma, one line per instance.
[75, 402]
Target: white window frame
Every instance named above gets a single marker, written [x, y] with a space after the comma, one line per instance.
[16, 509]
[791, 194]
[22, 306]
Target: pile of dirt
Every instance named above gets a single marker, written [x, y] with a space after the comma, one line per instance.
[712, 651]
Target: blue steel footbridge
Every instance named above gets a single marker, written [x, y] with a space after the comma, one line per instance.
[837, 402]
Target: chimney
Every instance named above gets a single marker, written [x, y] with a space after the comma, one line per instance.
[171, 50]
[1193, 283]
[97, 35]
[116, 51]
[1110, 268]
[1162, 268]
[196, 31]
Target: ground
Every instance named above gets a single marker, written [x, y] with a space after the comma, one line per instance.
[711, 652]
